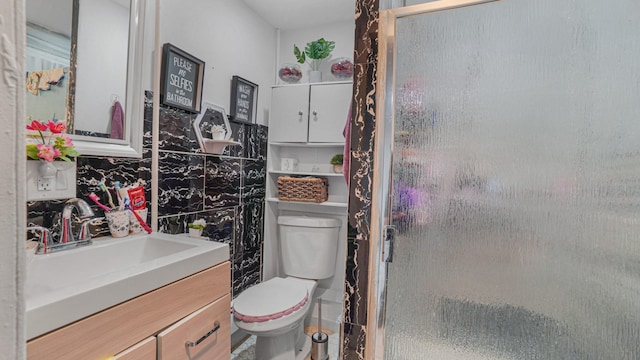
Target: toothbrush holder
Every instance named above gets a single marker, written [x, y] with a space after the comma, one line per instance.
[134, 224]
[118, 221]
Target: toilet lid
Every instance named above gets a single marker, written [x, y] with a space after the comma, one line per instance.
[270, 300]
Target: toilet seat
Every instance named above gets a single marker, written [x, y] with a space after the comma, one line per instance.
[270, 300]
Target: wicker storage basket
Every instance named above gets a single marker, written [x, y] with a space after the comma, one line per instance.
[306, 189]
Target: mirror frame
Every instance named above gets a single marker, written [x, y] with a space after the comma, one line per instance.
[134, 106]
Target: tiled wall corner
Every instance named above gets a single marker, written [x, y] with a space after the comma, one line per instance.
[354, 335]
[354, 342]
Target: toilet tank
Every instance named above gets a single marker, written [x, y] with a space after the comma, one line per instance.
[308, 246]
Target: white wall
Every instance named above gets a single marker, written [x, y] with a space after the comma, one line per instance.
[12, 196]
[103, 38]
[230, 38]
[342, 33]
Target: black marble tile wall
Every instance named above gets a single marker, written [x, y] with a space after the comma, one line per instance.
[254, 176]
[366, 33]
[220, 225]
[176, 132]
[222, 181]
[239, 134]
[363, 120]
[355, 337]
[181, 179]
[226, 190]
[91, 171]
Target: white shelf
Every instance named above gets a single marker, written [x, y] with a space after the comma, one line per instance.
[216, 147]
[305, 173]
[306, 144]
[348, 81]
[326, 203]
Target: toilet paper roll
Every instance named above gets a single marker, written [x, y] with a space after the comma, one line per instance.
[289, 164]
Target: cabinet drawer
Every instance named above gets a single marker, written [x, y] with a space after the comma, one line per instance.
[144, 350]
[172, 342]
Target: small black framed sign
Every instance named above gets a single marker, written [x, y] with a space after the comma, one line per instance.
[244, 100]
[181, 79]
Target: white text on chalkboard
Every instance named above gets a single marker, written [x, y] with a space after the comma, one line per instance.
[182, 63]
[182, 100]
[180, 83]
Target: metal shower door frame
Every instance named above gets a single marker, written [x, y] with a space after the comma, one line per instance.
[383, 159]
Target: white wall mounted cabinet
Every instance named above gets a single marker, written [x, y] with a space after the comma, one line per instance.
[314, 113]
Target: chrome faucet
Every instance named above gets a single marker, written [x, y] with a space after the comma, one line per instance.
[84, 212]
[67, 240]
[45, 238]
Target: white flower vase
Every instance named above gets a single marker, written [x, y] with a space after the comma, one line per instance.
[315, 76]
[195, 233]
[47, 169]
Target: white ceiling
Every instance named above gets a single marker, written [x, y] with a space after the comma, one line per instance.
[295, 14]
[51, 15]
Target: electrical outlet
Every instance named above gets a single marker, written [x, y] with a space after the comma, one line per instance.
[60, 186]
[45, 183]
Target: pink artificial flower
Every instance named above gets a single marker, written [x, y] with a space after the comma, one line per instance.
[67, 141]
[56, 128]
[37, 125]
[47, 152]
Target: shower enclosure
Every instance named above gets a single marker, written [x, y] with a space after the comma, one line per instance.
[506, 210]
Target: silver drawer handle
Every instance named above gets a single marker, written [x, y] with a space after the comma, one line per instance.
[216, 326]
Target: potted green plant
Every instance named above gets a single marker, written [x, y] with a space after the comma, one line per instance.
[316, 51]
[196, 227]
[337, 161]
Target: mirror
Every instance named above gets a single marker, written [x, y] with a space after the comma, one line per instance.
[84, 68]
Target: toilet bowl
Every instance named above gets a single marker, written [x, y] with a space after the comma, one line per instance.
[275, 310]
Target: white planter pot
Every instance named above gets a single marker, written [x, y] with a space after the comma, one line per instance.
[315, 76]
[219, 135]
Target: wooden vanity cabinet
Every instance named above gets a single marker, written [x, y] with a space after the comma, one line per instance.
[144, 350]
[125, 329]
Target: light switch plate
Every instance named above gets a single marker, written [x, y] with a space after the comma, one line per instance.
[60, 186]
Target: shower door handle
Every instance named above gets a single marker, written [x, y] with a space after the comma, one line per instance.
[389, 233]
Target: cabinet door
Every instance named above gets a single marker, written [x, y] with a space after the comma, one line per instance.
[288, 121]
[209, 327]
[328, 111]
[144, 350]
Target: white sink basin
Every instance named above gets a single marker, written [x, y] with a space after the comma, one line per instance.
[66, 286]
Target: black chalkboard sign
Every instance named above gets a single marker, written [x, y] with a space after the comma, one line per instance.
[244, 99]
[181, 79]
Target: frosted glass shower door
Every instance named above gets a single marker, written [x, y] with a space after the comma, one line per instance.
[515, 181]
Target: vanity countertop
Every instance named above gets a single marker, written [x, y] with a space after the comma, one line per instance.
[69, 285]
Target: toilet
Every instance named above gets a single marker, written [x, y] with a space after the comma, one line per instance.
[275, 310]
